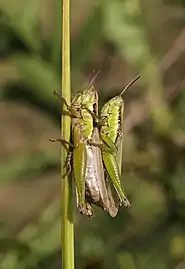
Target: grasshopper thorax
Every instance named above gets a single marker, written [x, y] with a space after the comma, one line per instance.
[111, 116]
[90, 100]
[88, 96]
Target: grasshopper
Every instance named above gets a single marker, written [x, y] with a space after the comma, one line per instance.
[82, 128]
[111, 133]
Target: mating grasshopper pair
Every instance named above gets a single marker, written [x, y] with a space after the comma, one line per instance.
[95, 154]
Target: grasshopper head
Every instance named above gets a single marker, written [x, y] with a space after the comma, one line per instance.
[90, 99]
[76, 102]
[89, 96]
[113, 105]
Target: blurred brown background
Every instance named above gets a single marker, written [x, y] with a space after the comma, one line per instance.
[121, 38]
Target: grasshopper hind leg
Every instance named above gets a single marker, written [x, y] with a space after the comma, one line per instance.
[125, 202]
[86, 209]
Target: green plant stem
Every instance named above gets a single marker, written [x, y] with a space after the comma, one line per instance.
[57, 38]
[67, 207]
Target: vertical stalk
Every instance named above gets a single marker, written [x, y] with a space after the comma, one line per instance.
[67, 208]
[57, 38]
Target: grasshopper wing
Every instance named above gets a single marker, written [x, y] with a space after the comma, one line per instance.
[104, 186]
[113, 199]
[99, 170]
[119, 141]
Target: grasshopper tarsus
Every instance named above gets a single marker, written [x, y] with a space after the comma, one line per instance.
[103, 121]
[56, 93]
[60, 140]
[86, 209]
[89, 211]
[90, 142]
[54, 140]
[125, 202]
[105, 209]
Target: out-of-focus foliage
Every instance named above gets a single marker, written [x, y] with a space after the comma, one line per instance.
[121, 38]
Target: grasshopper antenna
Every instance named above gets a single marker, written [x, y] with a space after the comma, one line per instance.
[130, 84]
[93, 76]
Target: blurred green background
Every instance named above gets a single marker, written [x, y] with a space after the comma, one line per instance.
[121, 38]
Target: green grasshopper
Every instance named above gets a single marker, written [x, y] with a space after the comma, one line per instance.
[82, 128]
[111, 132]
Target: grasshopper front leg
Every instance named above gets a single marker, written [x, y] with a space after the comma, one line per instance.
[98, 121]
[74, 112]
[62, 141]
[62, 99]
[102, 146]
